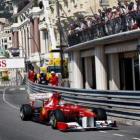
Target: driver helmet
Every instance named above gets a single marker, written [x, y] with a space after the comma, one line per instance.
[62, 102]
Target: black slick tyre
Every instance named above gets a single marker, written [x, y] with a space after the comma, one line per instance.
[56, 116]
[26, 112]
[101, 114]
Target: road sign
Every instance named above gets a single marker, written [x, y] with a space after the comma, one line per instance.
[12, 63]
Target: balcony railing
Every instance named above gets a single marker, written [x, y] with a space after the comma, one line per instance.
[103, 28]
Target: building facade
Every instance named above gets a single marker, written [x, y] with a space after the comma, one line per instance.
[31, 35]
[107, 63]
[35, 29]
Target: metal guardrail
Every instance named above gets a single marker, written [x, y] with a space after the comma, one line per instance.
[123, 104]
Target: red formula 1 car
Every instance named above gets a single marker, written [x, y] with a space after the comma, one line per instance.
[64, 116]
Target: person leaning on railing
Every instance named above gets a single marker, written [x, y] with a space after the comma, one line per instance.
[109, 21]
[132, 11]
[102, 19]
[138, 13]
[117, 19]
[122, 12]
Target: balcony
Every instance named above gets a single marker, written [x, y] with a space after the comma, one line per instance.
[102, 29]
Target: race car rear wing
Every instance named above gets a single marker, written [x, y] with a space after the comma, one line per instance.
[40, 96]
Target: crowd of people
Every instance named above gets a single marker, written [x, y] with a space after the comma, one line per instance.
[41, 78]
[107, 21]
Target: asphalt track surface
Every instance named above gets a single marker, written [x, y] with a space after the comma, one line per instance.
[12, 128]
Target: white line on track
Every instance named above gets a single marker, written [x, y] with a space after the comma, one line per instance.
[22, 89]
[2, 90]
[103, 131]
[12, 89]
[8, 102]
[118, 135]
[135, 138]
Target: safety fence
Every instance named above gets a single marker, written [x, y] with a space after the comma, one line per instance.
[122, 104]
[104, 28]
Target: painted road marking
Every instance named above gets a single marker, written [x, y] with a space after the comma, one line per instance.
[7, 101]
[22, 89]
[12, 89]
[136, 138]
[118, 135]
[1, 89]
[103, 131]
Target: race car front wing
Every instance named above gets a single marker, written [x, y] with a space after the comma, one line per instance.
[87, 123]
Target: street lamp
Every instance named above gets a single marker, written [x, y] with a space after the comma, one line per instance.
[60, 33]
[46, 5]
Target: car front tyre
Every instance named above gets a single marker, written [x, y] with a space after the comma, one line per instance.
[101, 114]
[56, 116]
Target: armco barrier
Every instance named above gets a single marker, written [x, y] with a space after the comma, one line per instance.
[123, 104]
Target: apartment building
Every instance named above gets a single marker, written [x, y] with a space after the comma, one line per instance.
[5, 45]
[6, 38]
[31, 36]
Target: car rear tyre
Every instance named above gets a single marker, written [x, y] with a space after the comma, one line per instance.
[101, 114]
[26, 112]
[56, 116]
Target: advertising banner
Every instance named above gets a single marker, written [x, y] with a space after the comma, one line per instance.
[12, 63]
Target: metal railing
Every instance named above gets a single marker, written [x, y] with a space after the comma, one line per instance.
[103, 28]
[122, 104]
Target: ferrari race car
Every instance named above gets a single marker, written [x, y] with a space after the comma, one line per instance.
[64, 116]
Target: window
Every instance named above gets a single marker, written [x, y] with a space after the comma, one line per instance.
[5, 40]
[74, 1]
[56, 69]
[104, 2]
[5, 47]
[10, 38]
[70, 56]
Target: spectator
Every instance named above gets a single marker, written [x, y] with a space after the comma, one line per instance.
[82, 24]
[102, 19]
[117, 20]
[109, 24]
[138, 5]
[89, 22]
[78, 32]
[35, 77]
[54, 79]
[132, 7]
[89, 25]
[132, 14]
[123, 17]
[97, 18]
[126, 4]
[108, 21]
[42, 79]
[31, 76]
